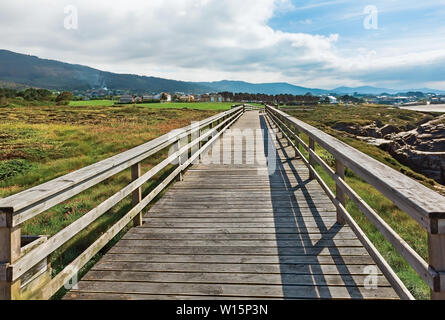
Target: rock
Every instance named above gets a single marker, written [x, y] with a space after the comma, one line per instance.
[388, 130]
[347, 127]
[422, 149]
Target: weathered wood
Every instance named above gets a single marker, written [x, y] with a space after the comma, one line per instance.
[339, 202]
[340, 195]
[420, 202]
[194, 233]
[10, 251]
[436, 247]
[118, 254]
[228, 290]
[137, 194]
[230, 278]
[427, 274]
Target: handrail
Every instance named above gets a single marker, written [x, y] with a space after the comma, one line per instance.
[17, 209]
[421, 203]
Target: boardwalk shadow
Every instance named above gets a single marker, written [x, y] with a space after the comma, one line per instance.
[298, 254]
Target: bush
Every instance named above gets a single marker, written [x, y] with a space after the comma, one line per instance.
[12, 168]
[3, 101]
[64, 98]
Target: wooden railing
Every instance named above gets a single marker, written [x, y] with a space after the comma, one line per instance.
[24, 268]
[421, 203]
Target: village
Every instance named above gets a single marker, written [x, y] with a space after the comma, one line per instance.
[127, 97]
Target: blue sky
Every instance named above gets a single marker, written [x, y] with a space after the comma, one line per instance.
[320, 44]
[398, 20]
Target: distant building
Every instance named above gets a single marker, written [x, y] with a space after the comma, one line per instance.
[332, 100]
[204, 98]
[166, 97]
[126, 99]
[187, 98]
[151, 98]
[216, 98]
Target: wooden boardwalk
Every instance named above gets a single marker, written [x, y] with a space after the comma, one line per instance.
[239, 230]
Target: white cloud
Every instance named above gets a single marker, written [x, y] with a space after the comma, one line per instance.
[193, 40]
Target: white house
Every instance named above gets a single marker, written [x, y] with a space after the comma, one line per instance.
[332, 100]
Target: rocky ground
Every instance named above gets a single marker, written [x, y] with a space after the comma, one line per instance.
[421, 148]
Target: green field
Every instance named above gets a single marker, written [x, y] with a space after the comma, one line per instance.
[92, 103]
[174, 105]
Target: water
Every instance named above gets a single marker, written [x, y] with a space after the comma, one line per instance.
[427, 108]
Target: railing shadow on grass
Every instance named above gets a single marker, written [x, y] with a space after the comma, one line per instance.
[302, 245]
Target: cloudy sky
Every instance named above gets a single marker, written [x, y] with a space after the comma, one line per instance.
[325, 44]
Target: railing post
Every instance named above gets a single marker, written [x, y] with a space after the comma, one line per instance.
[436, 250]
[137, 194]
[200, 144]
[297, 143]
[340, 195]
[178, 147]
[9, 253]
[311, 159]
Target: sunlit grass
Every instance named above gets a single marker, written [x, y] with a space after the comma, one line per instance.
[41, 143]
[173, 105]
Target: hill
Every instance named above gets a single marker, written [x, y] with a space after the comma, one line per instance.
[21, 71]
[264, 88]
[33, 71]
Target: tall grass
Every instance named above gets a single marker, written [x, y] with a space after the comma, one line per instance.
[41, 143]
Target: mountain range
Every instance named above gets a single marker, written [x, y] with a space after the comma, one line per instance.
[25, 70]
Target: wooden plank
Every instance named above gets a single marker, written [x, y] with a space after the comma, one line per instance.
[233, 250]
[299, 221]
[118, 254]
[232, 278]
[242, 243]
[297, 269]
[261, 291]
[179, 226]
[258, 236]
[79, 295]
[240, 230]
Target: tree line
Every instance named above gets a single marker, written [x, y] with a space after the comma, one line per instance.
[285, 99]
[32, 94]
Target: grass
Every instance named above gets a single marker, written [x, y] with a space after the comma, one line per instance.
[174, 105]
[324, 117]
[41, 143]
[92, 103]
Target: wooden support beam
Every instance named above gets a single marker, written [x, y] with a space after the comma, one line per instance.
[340, 195]
[436, 248]
[297, 143]
[311, 159]
[10, 247]
[177, 148]
[137, 194]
